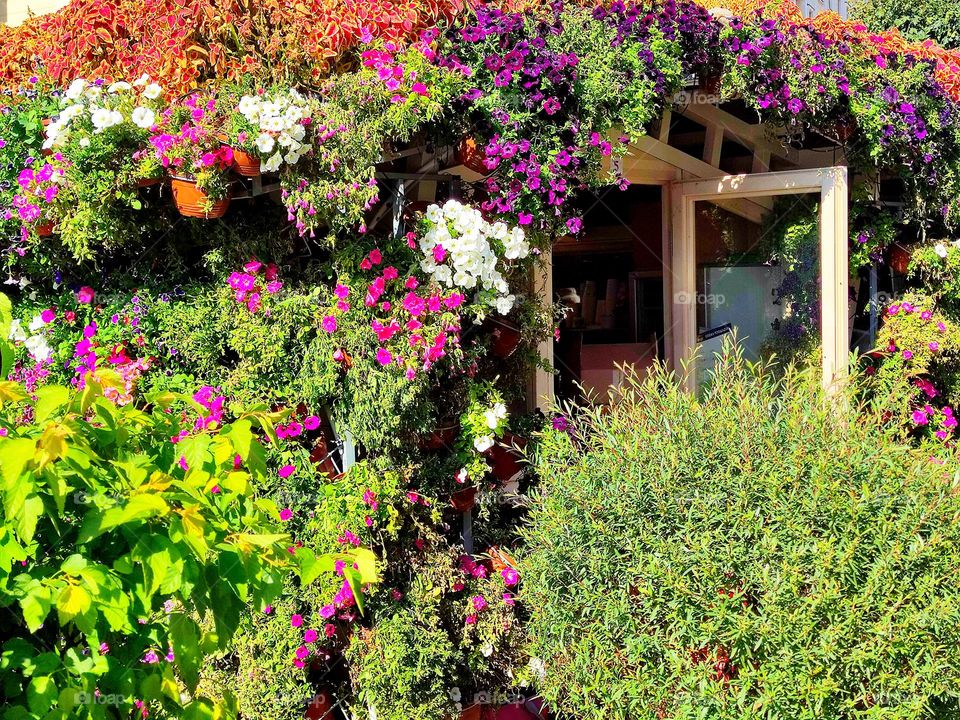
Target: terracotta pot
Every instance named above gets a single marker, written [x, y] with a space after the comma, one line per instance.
[44, 229]
[321, 707]
[464, 500]
[500, 560]
[148, 182]
[471, 156]
[506, 338]
[191, 201]
[711, 84]
[898, 257]
[504, 460]
[843, 130]
[245, 164]
[439, 438]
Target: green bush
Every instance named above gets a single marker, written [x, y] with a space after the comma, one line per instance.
[756, 552]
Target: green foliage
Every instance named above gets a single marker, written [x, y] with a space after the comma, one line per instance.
[918, 20]
[756, 552]
[116, 542]
[403, 669]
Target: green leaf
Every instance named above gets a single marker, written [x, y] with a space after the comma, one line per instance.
[36, 606]
[312, 565]
[139, 507]
[196, 451]
[42, 694]
[366, 562]
[6, 357]
[50, 399]
[241, 435]
[185, 636]
[6, 317]
[15, 453]
[72, 602]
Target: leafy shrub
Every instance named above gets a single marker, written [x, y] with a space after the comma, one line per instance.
[756, 552]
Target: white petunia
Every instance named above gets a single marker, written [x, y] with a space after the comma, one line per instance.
[141, 81]
[85, 142]
[38, 347]
[483, 443]
[265, 143]
[116, 117]
[76, 89]
[272, 163]
[100, 117]
[36, 323]
[120, 86]
[16, 331]
[142, 117]
[152, 91]
[505, 304]
[940, 249]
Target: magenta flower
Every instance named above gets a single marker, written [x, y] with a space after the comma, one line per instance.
[510, 576]
[310, 636]
[296, 620]
[327, 611]
[479, 603]
[48, 315]
[341, 291]
[85, 295]
[934, 346]
[439, 254]
[384, 356]
[329, 324]
[302, 652]
[286, 471]
[285, 515]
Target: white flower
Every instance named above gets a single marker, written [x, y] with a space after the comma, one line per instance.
[486, 649]
[116, 117]
[537, 667]
[455, 694]
[92, 92]
[37, 346]
[100, 117]
[16, 331]
[483, 443]
[272, 163]
[85, 142]
[249, 106]
[152, 91]
[36, 323]
[141, 81]
[504, 304]
[940, 249]
[142, 117]
[265, 143]
[119, 86]
[76, 89]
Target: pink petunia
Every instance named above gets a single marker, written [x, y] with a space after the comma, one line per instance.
[296, 620]
[341, 291]
[510, 576]
[329, 324]
[310, 636]
[85, 295]
[384, 356]
[286, 514]
[286, 471]
[48, 315]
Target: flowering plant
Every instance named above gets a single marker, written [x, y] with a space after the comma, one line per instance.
[36, 203]
[187, 142]
[273, 125]
[481, 425]
[462, 250]
[257, 281]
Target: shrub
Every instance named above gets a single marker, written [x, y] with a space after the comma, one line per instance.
[755, 552]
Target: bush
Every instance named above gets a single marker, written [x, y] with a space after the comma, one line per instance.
[753, 553]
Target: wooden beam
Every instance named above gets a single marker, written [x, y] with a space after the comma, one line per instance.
[750, 136]
[543, 396]
[713, 146]
[663, 131]
[834, 277]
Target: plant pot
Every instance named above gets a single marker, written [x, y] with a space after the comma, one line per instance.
[192, 202]
[898, 257]
[148, 182]
[245, 164]
[504, 460]
[44, 229]
[472, 157]
[320, 707]
[464, 500]
[843, 129]
[441, 437]
[506, 338]
[710, 84]
[500, 560]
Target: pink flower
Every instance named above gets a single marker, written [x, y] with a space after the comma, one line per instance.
[411, 283]
[384, 356]
[934, 346]
[508, 599]
[510, 576]
[390, 273]
[907, 355]
[286, 471]
[479, 603]
[471, 620]
[524, 218]
[341, 291]
[365, 264]
[375, 257]
[312, 422]
[48, 315]
[327, 611]
[274, 286]
[253, 266]
[439, 254]
[329, 630]
[85, 295]
[329, 324]
[286, 514]
[296, 620]
[310, 636]
[303, 652]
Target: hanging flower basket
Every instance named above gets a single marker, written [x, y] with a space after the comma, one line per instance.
[245, 164]
[506, 337]
[440, 437]
[149, 182]
[471, 156]
[898, 257]
[464, 500]
[505, 462]
[193, 202]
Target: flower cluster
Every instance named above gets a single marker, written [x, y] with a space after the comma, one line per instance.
[39, 185]
[96, 107]
[462, 250]
[256, 282]
[275, 127]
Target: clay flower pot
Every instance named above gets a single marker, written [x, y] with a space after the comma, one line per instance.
[245, 163]
[192, 202]
[506, 337]
[471, 156]
[44, 229]
[148, 182]
[504, 460]
[464, 500]
[439, 438]
[898, 257]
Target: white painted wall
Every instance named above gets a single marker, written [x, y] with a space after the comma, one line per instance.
[14, 12]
